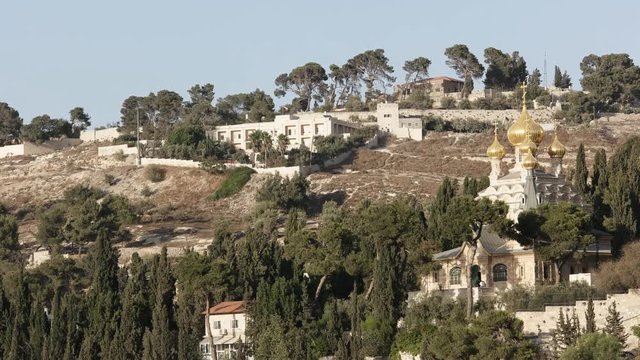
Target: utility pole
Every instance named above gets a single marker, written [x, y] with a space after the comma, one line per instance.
[545, 71]
[138, 160]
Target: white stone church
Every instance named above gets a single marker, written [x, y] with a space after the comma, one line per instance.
[503, 263]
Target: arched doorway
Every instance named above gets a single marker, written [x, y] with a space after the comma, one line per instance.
[476, 277]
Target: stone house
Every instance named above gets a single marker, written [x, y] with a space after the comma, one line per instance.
[227, 321]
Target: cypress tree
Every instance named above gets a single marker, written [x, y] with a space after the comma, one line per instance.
[437, 209]
[72, 314]
[18, 345]
[58, 334]
[189, 330]
[38, 329]
[599, 183]
[4, 319]
[557, 77]
[162, 336]
[581, 174]
[103, 300]
[136, 314]
[590, 317]
[613, 325]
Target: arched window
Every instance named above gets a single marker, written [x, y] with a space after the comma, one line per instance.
[500, 272]
[454, 276]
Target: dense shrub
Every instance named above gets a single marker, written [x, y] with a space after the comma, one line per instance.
[622, 274]
[155, 173]
[109, 179]
[438, 124]
[418, 99]
[354, 103]
[234, 182]
[448, 103]
[125, 139]
[286, 193]
[528, 298]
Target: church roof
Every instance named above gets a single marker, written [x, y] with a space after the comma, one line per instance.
[490, 242]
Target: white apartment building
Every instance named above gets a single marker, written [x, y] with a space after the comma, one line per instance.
[227, 321]
[300, 128]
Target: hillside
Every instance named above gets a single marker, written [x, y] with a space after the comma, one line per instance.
[179, 213]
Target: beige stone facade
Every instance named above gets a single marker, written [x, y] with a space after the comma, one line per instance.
[300, 129]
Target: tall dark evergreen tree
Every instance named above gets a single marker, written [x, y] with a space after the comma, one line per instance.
[38, 329]
[18, 347]
[136, 313]
[5, 321]
[437, 209]
[581, 174]
[613, 325]
[163, 330]
[590, 317]
[102, 300]
[58, 334]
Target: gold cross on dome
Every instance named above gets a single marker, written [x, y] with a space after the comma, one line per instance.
[524, 91]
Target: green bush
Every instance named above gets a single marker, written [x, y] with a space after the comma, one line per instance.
[109, 179]
[146, 191]
[233, 183]
[155, 173]
[438, 124]
[529, 298]
[448, 103]
[286, 193]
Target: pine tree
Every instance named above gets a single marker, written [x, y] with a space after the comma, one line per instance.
[613, 325]
[103, 300]
[590, 316]
[581, 174]
[18, 345]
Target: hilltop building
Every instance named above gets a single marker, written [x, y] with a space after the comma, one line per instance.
[300, 128]
[503, 263]
[227, 321]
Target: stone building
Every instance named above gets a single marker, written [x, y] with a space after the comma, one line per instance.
[227, 321]
[300, 128]
[503, 263]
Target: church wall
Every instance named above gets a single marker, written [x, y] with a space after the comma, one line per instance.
[543, 322]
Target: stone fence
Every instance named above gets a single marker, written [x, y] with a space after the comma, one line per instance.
[29, 148]
[99, 135]
[114, 149]
[541, 323]
[169, 162]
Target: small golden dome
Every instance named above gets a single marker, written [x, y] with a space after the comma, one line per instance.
[529, 162]
[528, 145]
[518, 130]
[556, 149]
[496, 150]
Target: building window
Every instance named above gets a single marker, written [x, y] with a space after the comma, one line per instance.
[454, 276]
[216, 324]
[239, 136]
[204, 348]
[500, 272]
[234, 324]
[435, 276]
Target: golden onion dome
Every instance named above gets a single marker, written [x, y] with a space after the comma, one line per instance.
[527, 145]
[556, 149]
[496, 150]
[518, 130]
[529, 162]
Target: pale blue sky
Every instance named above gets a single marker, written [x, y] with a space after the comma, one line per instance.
[55, 55]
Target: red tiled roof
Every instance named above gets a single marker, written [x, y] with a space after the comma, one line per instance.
[227, 307]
